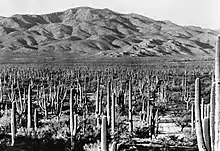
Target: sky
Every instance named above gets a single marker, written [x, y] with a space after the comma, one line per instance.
[204, 13]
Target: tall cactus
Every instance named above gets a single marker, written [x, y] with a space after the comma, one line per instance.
[150, 122]
[71, 111]
[113, 114]
[97, 104]
[212, 115]
[206, 132]
[192, 119]
[35, 119]
[100, 102]
[113, 146]
[217, 95]
[148, 111]
[97, 97]
[20, 104]
[75, 126]
[143, 113]
[104, 134]
[130, 107]
[199, 132]
[202, 108]
[29, 117]
[108, 106]
[13, 123]
[43, 102]
[208, 110]
[74, 132]
[208, 136]
[156, 122]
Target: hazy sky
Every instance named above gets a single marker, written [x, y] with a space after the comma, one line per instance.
[205, 13]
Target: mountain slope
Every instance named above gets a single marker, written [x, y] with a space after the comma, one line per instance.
[86, 31]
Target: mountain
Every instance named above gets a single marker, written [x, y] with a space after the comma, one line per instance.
[85, 31]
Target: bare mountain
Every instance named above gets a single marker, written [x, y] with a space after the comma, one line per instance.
[86, 31]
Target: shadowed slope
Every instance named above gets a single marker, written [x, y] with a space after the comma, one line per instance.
[101, 32]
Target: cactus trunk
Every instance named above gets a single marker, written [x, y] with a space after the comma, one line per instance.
[206, 133]
[199, 132]
[212, 116]
[108, 106]
[71, 112]
[130, 108]
[13, 123]
[35, 119]
[217, 95]
[192, 119]
[104, 134]
[114, 146]
[29, 119]
[113, 114]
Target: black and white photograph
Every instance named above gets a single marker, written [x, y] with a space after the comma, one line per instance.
[109, 75]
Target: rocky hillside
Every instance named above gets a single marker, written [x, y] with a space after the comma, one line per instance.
[86, 31]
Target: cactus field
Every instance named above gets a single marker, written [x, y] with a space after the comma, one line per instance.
[111, 106]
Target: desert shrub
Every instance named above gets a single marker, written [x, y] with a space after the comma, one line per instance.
[122, 135]
[162, 107]
[90, 133]
[142, 132]
[190, 138]
[122, 111]
[183, 121]
[4, 139]
[178, 140]
[91, 147]
[5, 122]
[169, 140]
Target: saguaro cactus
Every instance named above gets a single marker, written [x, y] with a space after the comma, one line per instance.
[100, 102]
[202, 108]
[199, 132]
[75, 125]
[108, 106]
[210, 132]
[192, 119]
[217, 95]
[114, 146]
[29, 118]
[97, 98]
[150, 122]
[148, 111]
[35, 119]
[43, 103]
[130, 107]
[71, 111]
[104, 134]
[206, 132]
[212, 115]
[20, 104]
[143, 112]
[13, 123]
[74, 132]
[113, 114]
[156, 122]
[97, 104]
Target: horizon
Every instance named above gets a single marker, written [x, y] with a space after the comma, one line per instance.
[200, 13]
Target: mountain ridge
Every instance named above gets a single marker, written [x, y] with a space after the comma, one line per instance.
[85, 31]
